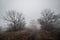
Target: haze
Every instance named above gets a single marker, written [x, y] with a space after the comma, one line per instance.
[30, 8]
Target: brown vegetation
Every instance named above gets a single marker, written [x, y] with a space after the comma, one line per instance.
[28, 35]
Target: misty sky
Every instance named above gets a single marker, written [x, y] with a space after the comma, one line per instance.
[30, 8]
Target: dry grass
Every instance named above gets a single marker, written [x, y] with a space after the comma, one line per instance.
[26, 35]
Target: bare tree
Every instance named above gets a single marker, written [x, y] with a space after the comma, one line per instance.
[48, 20]
[33, 24]
[16, 20]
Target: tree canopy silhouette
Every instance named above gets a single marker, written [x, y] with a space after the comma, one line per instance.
[16, 20]
[48, 20]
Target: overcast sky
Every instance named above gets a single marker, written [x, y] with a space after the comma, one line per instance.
[30, 8]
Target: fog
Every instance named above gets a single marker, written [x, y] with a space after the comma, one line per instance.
[30, 8]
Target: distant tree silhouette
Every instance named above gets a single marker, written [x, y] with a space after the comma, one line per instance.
[33, 24]
[16, 20]
[48, 20]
